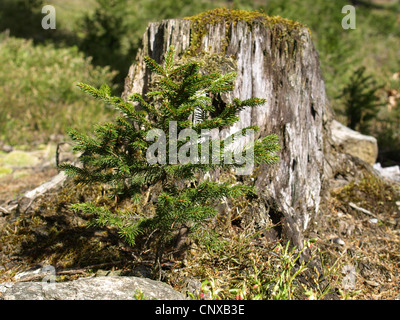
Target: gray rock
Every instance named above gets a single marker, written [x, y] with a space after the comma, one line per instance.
[191, 287]
[92, 288]
[7, 148]
[338, 241]
[373, 220]
[354, 143]
[391, 173]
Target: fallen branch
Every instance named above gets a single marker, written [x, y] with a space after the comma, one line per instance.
[7, 210]
[354, 206]
[351, 204]
[29, 197]
[4, 210]
[45, 187]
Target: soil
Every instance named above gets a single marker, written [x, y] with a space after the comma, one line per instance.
[365, 215]
[358, 230]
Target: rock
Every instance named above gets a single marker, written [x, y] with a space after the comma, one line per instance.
[372, 283]
[354, 143]
[391, 173]
[274, 60]
[7, 148]
[95, 288]
[338, 241]
[191, 287]
[4, 286]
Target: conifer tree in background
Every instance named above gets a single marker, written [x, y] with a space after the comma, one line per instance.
[116, 154]
[360, 100]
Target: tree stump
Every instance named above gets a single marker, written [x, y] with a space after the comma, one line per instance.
[274, 59]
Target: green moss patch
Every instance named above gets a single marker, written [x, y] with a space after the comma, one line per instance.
[370, 193]
[5, 171]
[21, 174]
[233, 16]
[230, 16]
[20, 159]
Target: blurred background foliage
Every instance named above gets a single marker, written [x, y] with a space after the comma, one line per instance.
[96, 42]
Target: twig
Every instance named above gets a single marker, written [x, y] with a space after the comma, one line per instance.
[9, 209]
[4, 210]
[351, 204]
[188, 267]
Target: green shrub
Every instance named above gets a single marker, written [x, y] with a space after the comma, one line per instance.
[22, 18]
[360, 100]
[38, 95]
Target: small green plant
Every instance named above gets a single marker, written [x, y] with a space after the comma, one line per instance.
[285, 272]
[360, 100]
[139, 295]
[211, 289]
[253, 286]
[118, 154]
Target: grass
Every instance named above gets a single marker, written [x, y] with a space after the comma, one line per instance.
[243, 265]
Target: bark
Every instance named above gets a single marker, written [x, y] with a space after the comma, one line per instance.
[283, 67]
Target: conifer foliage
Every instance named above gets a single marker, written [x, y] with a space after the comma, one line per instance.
[360, 100]
[116, 155]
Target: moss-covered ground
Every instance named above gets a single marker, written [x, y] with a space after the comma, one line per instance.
[232, 259]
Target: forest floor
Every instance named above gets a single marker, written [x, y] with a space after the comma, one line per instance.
[356, 240]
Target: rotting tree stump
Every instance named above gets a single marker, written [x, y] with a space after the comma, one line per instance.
[274, 59]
